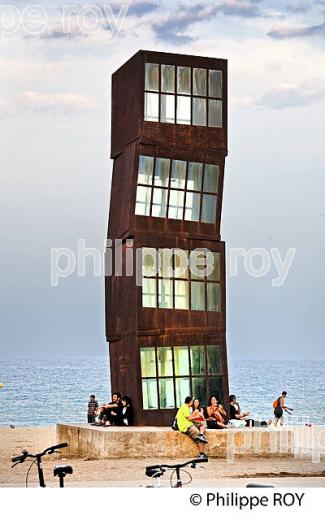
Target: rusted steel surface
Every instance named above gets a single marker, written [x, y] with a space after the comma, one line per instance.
[128, 324]
[128, 107]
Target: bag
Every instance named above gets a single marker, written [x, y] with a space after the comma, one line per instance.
[175, 425]
[275, 404]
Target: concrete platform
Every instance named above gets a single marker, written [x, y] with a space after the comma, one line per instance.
[148, 442]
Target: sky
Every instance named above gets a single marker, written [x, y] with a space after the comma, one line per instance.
[55, 170]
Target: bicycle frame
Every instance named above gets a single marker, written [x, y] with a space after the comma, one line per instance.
[40, 471]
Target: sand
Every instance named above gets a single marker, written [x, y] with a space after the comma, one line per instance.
[129, 472]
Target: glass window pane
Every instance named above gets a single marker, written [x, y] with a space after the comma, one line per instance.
[215, 83]
[215, 388]
[183, 80]
[215, 275]
[183, 110]
[149, 261]
[142, 206]
[182, 386]
[145, 169]
[200, 82]
[151, 107]
[214, 359]
[199, 111]
[198, 264]
[159, 203]
[192, 206]
[178, 175]
[162, 172]
[167, 108]
[152, 76]
[194, 177]
[214, 297]
[165, 361]
[181, 259]
[215, 113]
[197, 296]
[176, 204]
[148, 361]
[166, 393]
[199, 389]
[149, 292]
[211, 177]
[198, 360]
[167, 78]
[165, 263]
[149, 394]
[165, 295]
[181, 361]
[181, 294]
[209, 206]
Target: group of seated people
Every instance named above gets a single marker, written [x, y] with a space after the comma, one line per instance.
[119, 412]
[192, 419]
[215, 417]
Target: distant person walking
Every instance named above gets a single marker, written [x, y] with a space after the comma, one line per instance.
[185, 425]
[279, 407]
[92, 407]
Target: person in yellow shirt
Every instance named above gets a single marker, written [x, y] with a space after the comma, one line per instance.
[185, 425]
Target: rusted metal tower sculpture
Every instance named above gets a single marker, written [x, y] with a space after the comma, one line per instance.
[167, 336]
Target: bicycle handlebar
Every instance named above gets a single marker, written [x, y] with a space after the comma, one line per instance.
[50, 450]
[56, 447]
[20, 458]
[159, 469]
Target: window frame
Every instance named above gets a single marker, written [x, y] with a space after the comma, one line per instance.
[169, 189]
[207, 97]
[207, 281]
[190, 375]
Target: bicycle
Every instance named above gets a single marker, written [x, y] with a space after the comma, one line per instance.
[60, 471]
[158, 471]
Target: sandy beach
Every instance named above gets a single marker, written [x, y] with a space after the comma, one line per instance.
[129, 472]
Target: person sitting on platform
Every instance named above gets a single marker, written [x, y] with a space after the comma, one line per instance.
[237, 417]
[198, 414]
[217, 416]
[185, 425]
[113, 411]
[235, 410]
[127, 411]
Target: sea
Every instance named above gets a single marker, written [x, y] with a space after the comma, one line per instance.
[48, 390]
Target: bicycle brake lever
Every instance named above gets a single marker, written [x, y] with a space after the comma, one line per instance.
[15, 464]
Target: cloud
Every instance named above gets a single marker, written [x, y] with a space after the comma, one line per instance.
[296, 6]
[172, 29]
[141, 8]
[288, 95]
[60, 34]
[40, 102]
[285, 33]
[242, 8]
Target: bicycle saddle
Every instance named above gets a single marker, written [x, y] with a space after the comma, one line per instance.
[154, 471]
[62, 471]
